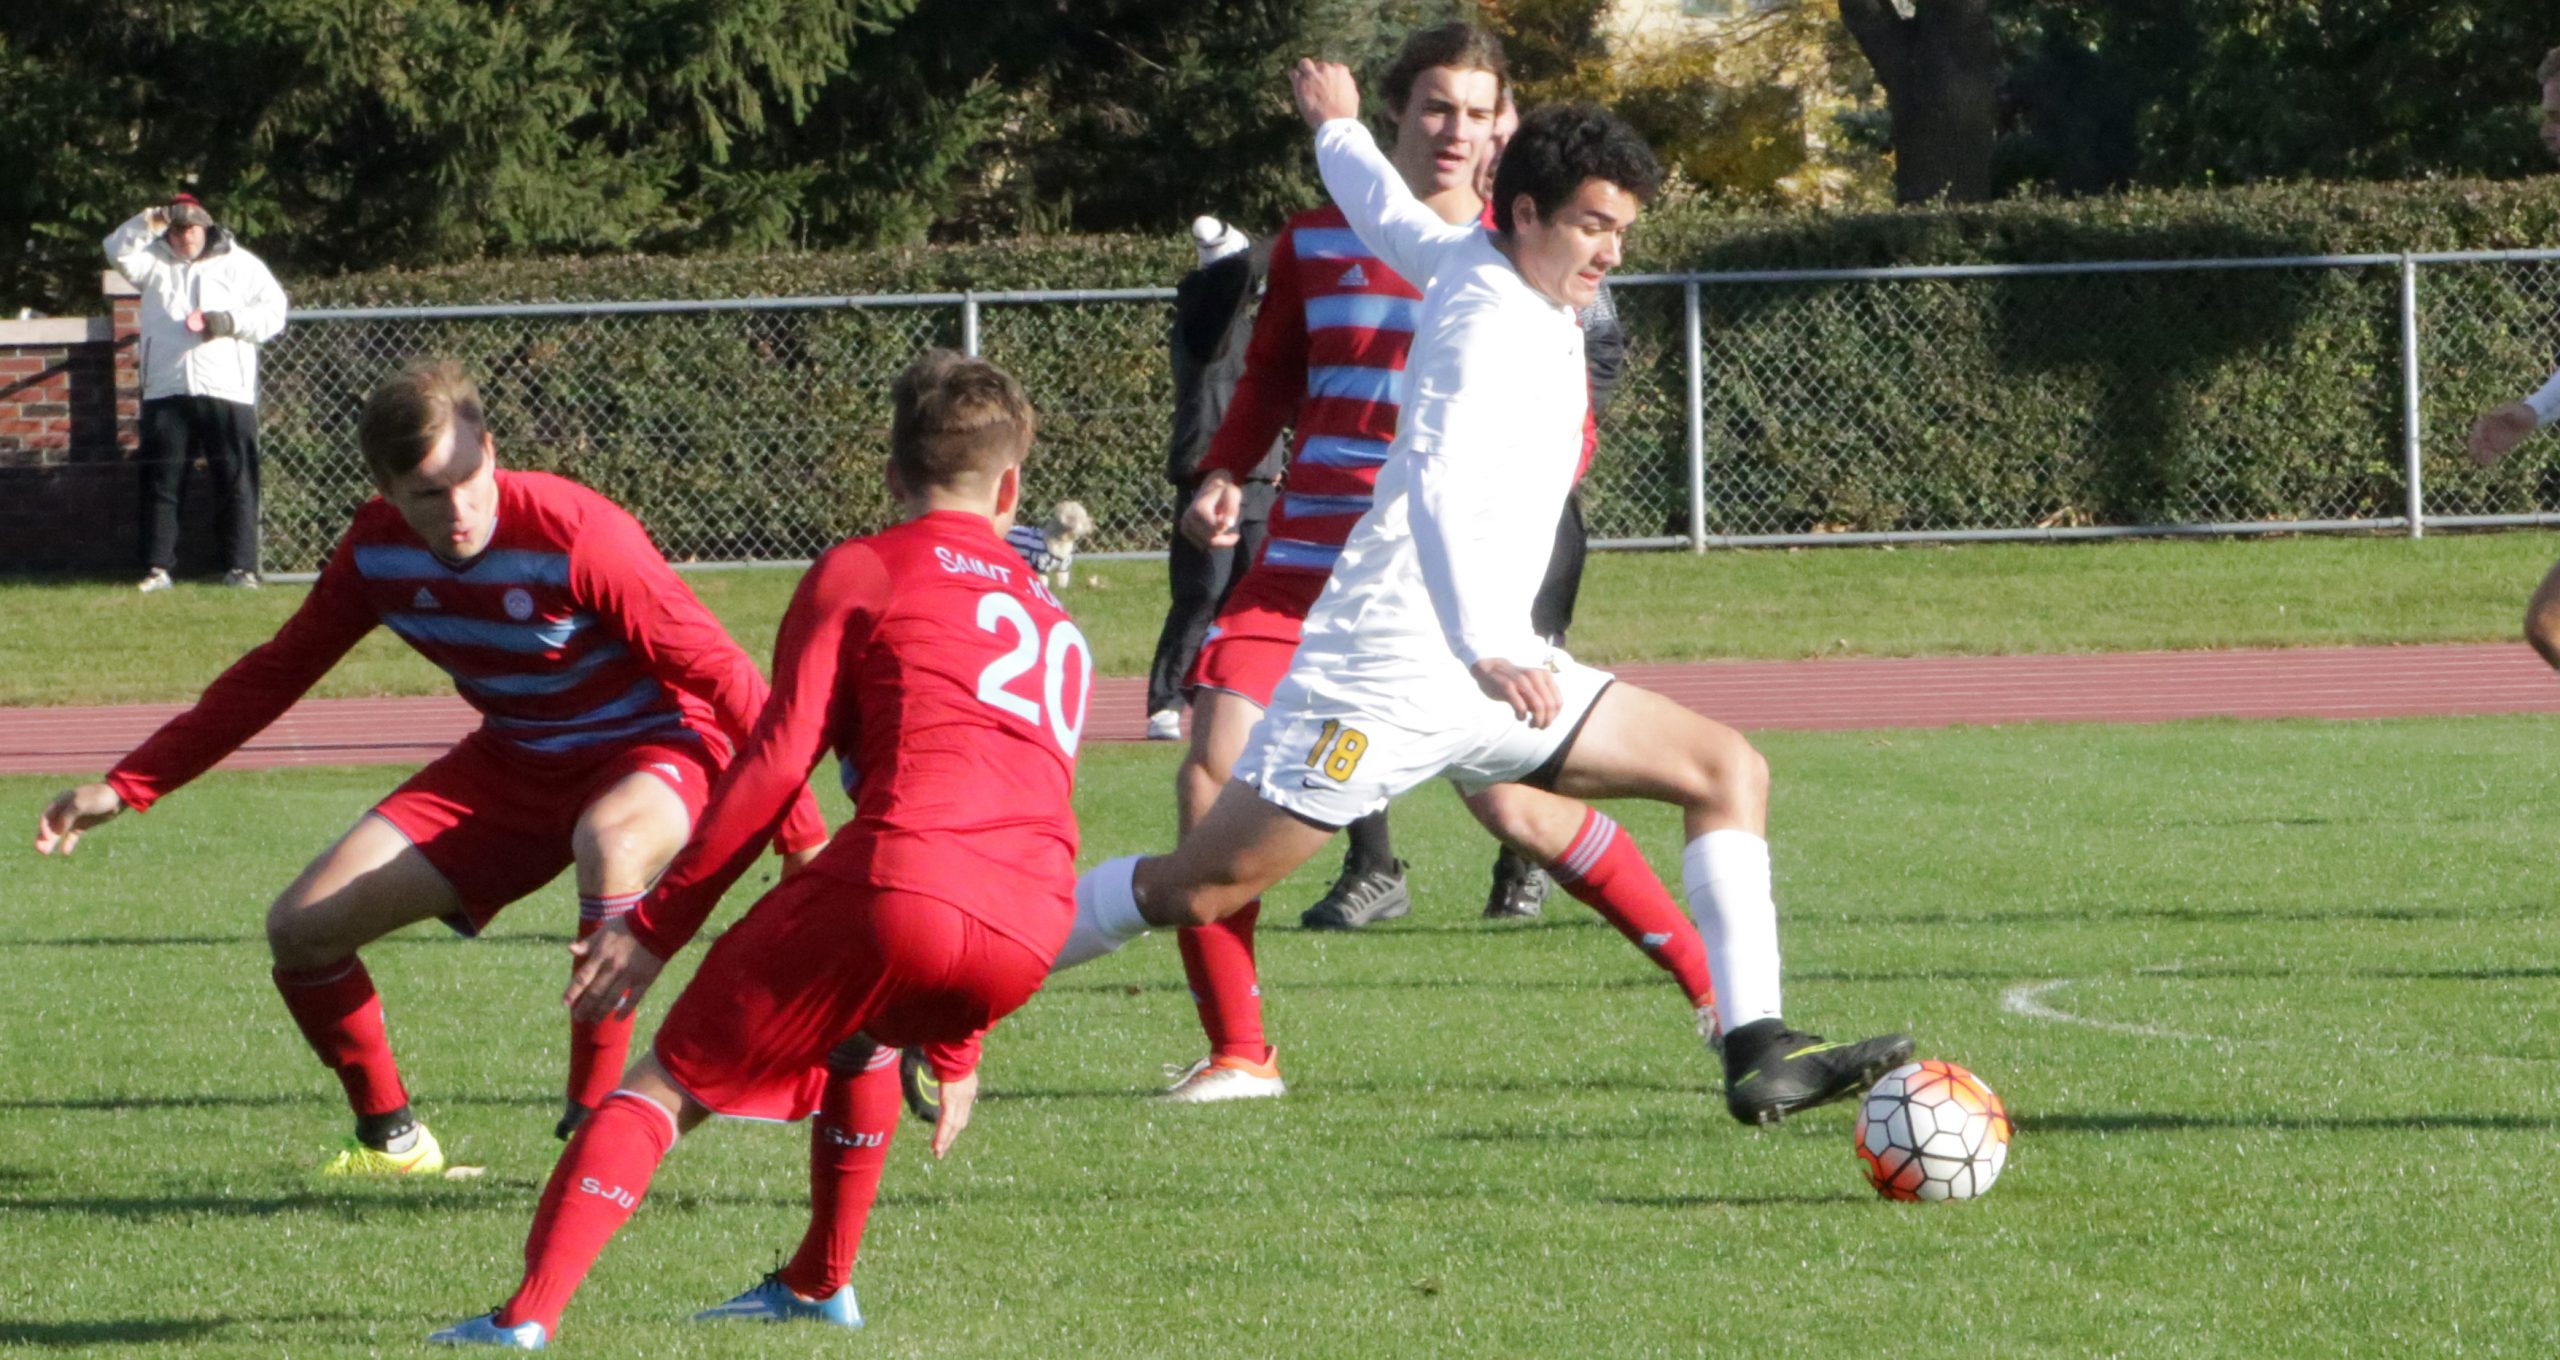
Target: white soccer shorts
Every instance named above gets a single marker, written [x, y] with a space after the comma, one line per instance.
[1333, 755]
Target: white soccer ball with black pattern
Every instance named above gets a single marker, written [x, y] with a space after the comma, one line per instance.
[1932, 1131]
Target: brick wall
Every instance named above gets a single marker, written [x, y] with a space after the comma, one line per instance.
[70, 399]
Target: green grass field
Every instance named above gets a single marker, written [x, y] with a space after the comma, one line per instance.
[1977, 599]
[2291, 1092]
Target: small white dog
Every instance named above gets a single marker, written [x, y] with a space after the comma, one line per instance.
[1050, 547]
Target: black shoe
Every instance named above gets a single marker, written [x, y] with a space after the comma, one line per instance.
[1359, 897]
[1519, 890]
[919, 1085]
[570, 1118]
[1771, 1071]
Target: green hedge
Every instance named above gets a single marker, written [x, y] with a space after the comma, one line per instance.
[2120, 399]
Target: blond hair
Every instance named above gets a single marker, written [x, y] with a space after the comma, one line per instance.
[405, 416]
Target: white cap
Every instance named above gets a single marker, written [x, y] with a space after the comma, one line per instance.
[1215, 240]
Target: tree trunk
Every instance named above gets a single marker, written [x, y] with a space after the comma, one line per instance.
[1941, 73]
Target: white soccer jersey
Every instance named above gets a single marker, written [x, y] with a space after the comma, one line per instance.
[1440, 573]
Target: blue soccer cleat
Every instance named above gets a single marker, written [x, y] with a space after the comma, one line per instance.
[772, 1301]
[485, 1331]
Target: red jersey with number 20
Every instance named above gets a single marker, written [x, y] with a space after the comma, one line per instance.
[953, 688]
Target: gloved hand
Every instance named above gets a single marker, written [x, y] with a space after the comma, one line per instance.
[217, 325]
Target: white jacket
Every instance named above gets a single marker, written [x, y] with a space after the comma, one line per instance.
[177, 362]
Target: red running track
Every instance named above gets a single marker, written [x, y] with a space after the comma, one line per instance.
[1858, 692]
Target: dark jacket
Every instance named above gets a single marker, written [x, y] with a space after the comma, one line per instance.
[1212, 322]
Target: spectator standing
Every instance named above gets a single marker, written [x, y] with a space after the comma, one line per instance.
[207, 304]
[1212, 322]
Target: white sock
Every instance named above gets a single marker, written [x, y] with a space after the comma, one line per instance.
[1106, 913]
[1726, 876]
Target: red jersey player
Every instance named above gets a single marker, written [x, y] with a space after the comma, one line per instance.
[610, 699]
[1327, 359]
[953, 688]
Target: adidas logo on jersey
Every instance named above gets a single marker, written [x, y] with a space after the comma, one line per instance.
[1354, 277]
[426, 600]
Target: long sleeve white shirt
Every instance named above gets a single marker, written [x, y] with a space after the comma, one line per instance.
[175, 361]
[1441, 572]
[2545, 402]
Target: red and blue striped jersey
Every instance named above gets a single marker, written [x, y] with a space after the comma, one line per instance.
[569, 633]
[1327, 359]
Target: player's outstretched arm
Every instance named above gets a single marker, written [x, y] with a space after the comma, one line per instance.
[72, 812]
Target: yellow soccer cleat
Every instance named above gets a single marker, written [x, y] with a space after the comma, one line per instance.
[424, 1158]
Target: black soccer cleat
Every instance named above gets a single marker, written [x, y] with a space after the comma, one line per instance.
[1359, 897]
[1519, 890]
[571, 1116]
[919, 1085]
[1771, 1071]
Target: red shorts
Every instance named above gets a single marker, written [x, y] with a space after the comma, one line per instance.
[498, 828]
[1256, 633]
[818, 960]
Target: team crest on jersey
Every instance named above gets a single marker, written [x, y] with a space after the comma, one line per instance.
[519, 604]
[426, 600]
[1354, 277]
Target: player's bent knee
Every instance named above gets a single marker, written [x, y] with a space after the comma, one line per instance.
[1731, 771]
[2542, 628]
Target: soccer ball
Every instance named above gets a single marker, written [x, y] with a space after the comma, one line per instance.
[1932, 1131]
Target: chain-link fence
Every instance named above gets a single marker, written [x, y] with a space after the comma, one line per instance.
[1799, 407]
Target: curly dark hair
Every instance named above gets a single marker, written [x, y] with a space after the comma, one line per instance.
[1560, 146]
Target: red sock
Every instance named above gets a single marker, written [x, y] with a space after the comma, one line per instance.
[1218, 960]
[848, 1149]
[1604, 869]
[597, 1183]
[341, 1015]
[598, 1050]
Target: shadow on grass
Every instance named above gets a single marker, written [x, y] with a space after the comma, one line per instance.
[2084, 915]
[126, 941]
[116, 1333]
[1797, 1200]
[2138, 1121]
[438, 1200]
[219, 1100]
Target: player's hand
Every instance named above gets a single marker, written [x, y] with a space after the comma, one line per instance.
[1530, 690]
[71, 812]
[1215, 511]
[2497, 432]
[798, 860]
[957, 1096]
[614, 971]
[1325, 91]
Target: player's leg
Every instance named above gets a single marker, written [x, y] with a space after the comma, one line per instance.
[599, 1180]
[848, 1149]
[1519, 888]
[2542, 617]
[1634, 743]
[623, 840]
[1600, 864]
[371, 882]
[1217, 958]
[1371, 886]
[1241, 847]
